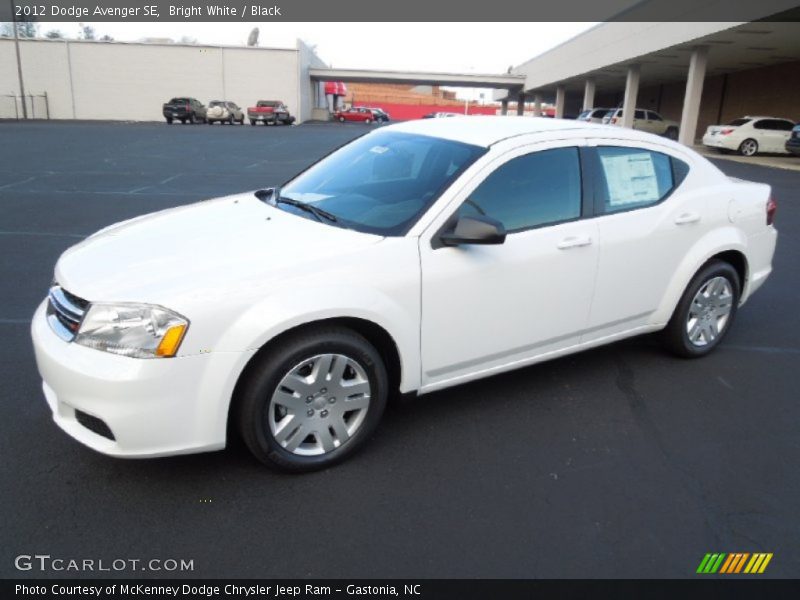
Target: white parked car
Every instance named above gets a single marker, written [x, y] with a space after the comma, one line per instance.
[750, 135]
[420, 256]
[645, 120]
[223, 111]
[593, 115]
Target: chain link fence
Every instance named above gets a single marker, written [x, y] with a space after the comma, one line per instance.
[14, 106]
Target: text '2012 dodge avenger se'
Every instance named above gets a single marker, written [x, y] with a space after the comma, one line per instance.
[417, 257]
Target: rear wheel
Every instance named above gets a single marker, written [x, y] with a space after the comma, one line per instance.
[749, 147]
[672, 133]
[252, 121]
[341, 119]
[367, 120]
[705, 312]
[169, 121]
[313, 400]
[192, 119]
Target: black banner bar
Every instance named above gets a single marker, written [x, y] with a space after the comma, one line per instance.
[708, 588]
[398, 11]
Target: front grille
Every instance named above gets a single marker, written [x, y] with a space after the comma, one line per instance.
[94, 424]
[65, 312]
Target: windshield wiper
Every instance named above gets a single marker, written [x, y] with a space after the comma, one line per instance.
[274, 195]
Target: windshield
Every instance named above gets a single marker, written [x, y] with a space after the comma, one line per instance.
[381, 183]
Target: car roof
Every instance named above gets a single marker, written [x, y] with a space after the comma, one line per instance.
[486, 130]
[763, 117]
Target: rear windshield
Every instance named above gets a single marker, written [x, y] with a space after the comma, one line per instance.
[267, 103]
[584, 114]
[179, 101]
[738, 122]
[216, 103]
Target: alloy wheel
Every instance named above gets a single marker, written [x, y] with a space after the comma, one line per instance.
[710, 311]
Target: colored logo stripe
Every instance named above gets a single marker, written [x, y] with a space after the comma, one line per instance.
[734, 562]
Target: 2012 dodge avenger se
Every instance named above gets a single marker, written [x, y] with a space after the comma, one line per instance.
[417, 257]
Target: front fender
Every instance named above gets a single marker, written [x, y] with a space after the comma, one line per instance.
[281, 312]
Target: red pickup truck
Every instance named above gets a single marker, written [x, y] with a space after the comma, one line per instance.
[269, 112]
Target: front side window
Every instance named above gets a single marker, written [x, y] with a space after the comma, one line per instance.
[652, 116]
[383, 182]
[537, 189]
[639, 114]
[635, 177]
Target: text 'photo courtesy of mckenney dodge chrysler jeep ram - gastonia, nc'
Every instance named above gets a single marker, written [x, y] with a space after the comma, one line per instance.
[419, 256]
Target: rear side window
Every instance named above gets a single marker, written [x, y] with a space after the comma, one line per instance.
[639, 114]
[632, 178]
[530, 191]
[738, 122]
[652, 116]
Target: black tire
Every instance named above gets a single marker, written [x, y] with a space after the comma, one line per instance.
[183, 121]
[241, 121]
[676, 336]
[169, 121]
[262, 379]
[192, 119]
[230, 120]
[341, 119]
[252, 122]
[367, 121]
[671, 133]
[749, 147]
[210, 121]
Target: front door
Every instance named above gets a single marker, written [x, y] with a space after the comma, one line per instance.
[488, 308]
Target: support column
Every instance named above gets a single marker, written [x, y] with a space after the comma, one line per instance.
[521, 104]
[693, 95]
[537, 105]
[504, 104]
[631, 93]
[588, 94]
[561, 98]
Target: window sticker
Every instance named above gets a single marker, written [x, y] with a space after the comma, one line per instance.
[379, 149]
[631, 179]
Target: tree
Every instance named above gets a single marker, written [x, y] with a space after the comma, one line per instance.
[54, 34]
[25, 29]
[87, 32]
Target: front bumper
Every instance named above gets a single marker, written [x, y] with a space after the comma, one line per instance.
[265, 118]
[153, 407]
[793, 146]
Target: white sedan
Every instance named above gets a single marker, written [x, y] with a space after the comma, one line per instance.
[750, 135]
[418, 257]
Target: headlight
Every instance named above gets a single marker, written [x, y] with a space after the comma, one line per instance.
[137, 330]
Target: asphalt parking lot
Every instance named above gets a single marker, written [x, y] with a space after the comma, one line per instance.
[617, 462]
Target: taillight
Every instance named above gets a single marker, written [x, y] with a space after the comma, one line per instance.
[188, 106]
[726, 131]
[613, 120]
[772, 207]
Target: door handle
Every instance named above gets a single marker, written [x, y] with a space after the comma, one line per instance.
[687, 217]
[574, 241]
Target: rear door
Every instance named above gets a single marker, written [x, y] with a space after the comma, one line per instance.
[646, 223]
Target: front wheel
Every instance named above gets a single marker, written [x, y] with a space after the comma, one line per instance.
[341, 119]
[313, 399]
[748, 147]
[705, 312]
[169, 121]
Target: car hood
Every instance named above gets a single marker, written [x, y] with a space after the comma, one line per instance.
[210, 247]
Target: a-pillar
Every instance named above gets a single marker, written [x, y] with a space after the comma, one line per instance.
[631, 93]
[693, 95]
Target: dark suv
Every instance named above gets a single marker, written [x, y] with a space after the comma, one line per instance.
[184, 109]
[793, 143]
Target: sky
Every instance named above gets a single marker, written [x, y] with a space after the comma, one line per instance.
[452, 47]
[469, 47]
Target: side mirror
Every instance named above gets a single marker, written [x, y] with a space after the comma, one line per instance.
[475, 230]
